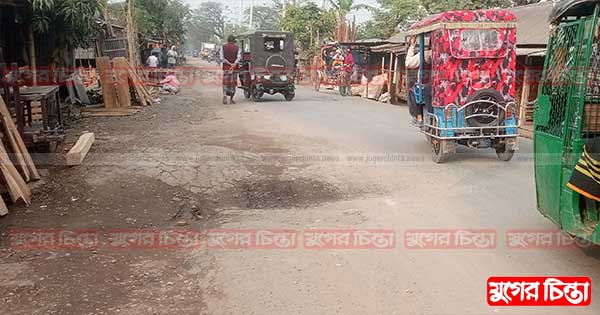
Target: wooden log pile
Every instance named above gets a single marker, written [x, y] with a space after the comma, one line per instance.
[122, 87]
[345, 31]
[16, 165]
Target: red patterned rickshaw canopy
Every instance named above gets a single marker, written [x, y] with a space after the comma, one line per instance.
[492, 18]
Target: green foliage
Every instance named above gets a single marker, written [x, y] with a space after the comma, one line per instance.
[436, 6]
[368, 29]
[392, 16]
[265, 18]
[41, 4]
[207, 23]
[343, 7]
[166, 19]
[308, 22]
[233, 29]
[71, 21]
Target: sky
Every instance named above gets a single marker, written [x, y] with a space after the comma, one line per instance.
[235, 5]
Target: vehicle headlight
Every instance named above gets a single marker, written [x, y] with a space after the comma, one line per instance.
[267, 77]
[283, 78]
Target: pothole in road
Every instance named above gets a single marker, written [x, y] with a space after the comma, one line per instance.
[270, 194]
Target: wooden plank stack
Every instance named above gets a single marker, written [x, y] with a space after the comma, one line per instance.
[121, 85]
[16, 165]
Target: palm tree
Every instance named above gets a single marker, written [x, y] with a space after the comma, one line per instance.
[342, 8]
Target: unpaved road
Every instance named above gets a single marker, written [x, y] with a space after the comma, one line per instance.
[318, 162]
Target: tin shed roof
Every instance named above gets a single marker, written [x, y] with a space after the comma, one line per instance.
[532, 23]
[398, 38]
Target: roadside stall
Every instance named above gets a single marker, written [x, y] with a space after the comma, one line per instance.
[368, 82]
[394, 70]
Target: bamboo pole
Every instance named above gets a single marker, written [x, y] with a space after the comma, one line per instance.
[527, 78]
[389, 76]
[111, 32]
[32, 56]
[132, 41]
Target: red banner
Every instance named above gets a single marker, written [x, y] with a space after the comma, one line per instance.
[539, 291]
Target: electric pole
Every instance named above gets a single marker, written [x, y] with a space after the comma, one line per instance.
[251, 14]
[241, 13]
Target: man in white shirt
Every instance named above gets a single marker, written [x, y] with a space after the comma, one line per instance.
[413, 61]
[152, 63]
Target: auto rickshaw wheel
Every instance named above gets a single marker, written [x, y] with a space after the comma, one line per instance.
[485, 108]
[437, 149]
[345, 90]
[503, 153]
[289, 96]
[256, 95]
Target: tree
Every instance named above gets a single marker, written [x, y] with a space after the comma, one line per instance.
[71, 22]
[436, 6]
[234, 29]
[369, 29]
[308, 22]
[265, 18]
[343, 7]
[395, 15]
[166, 19]
[392, 16]
[208, 22]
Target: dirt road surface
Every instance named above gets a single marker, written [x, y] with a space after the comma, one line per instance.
[320, 162]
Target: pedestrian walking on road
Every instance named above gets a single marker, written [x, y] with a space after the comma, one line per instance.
[230, 58]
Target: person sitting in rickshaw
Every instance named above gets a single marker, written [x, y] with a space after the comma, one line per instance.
[338, 61]
[328, 61]
[413, 61]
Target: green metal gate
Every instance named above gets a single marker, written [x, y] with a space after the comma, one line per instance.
[558, 118]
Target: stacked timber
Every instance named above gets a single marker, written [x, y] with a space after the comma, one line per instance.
[16, 165]
[121, 87]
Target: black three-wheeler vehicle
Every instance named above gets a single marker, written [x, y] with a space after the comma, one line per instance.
[267, 64]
